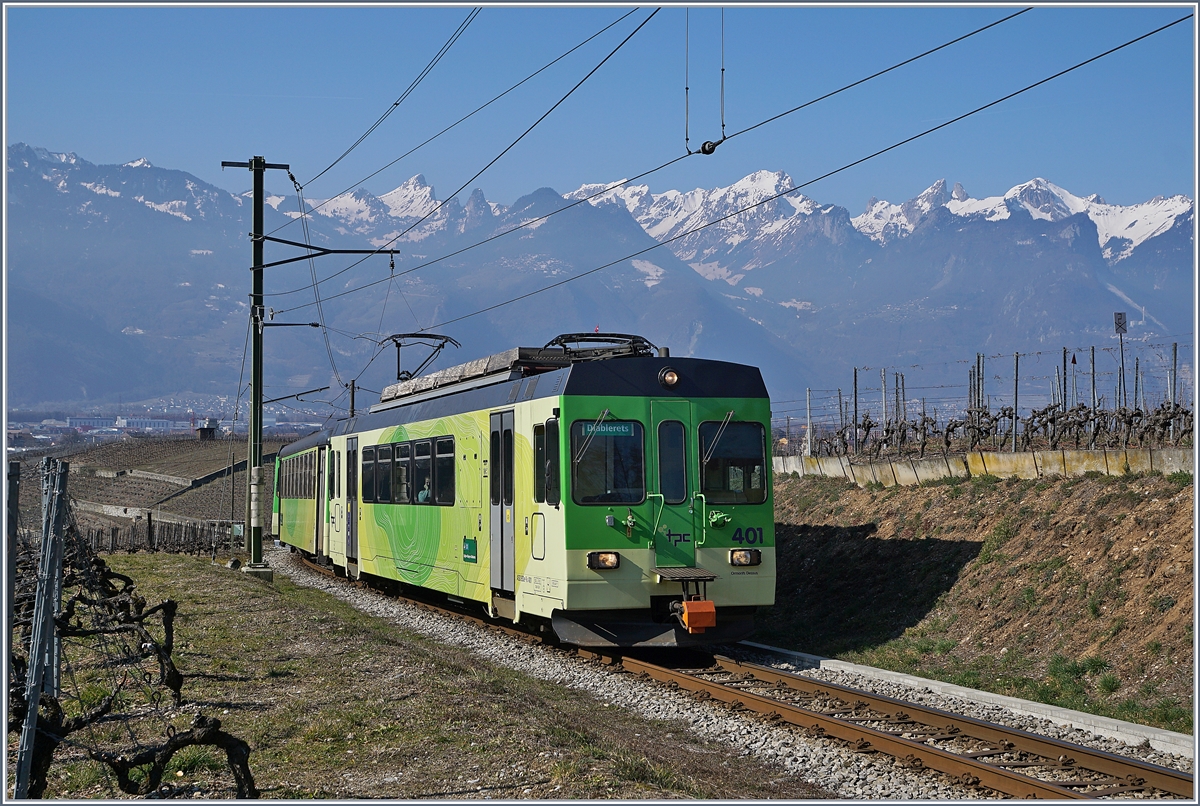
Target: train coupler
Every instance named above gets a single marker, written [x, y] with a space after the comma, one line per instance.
[696, 614]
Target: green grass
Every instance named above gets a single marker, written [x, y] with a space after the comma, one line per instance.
[1081, 685]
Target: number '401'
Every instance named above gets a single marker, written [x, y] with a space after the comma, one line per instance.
[749, 536]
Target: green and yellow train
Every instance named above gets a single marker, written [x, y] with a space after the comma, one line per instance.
[597, 486]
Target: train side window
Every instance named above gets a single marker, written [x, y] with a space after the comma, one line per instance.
[400, 473]
[553, 484]
[672, 461]
[330, 490]
[443, 471]
[368, 475]
[337, 473]
[508, 466]
[494, 468]
[539, 463]
[422, 467]
[383, 474]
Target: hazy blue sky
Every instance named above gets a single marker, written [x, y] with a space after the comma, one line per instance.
[189, 87]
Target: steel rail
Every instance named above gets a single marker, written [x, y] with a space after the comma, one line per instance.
[964, 770]
[1086, 758]
[969, 769]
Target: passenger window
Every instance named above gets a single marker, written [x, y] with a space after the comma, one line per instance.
[553, 483]
[672, 462]
[383, 474]
[508, 467]
[444, 471]
[422, 465]
[368, 475]
[400, 474]
[494, 467]
[539, 463]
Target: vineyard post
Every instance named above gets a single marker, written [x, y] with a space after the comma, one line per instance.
[883, 392]
[1093, 371]
[808, 427]
[856, 411]
[1173, 384]
[1016, 384]
[14, 501]
[1064, 381]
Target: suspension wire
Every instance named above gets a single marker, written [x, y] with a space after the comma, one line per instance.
[631, 179]
[888, 70]
[428, 68]
[312, 269]
[795, 188]
[387, 294]
[686, 57]
[722, 74]
[507, 148]
[542, 69]
[489, 239]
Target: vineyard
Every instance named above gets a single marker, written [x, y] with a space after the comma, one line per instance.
[94, 688]
[172, 477]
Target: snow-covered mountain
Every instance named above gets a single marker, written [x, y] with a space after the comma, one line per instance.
[132, 276]
[1119, 229]
[409, 214]
[664, 216]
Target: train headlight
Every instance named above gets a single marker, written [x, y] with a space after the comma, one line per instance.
[603, 560]
[668, 377]
[745, 557]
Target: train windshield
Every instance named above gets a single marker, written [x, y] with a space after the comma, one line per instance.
[735, 471]
[607, 462]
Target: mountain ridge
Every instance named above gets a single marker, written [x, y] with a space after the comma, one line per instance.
[792, 285]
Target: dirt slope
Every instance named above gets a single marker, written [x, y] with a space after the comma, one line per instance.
[1074, 591]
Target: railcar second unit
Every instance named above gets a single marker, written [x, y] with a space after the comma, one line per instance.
[620, 496]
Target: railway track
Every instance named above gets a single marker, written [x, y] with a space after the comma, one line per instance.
[971, 752]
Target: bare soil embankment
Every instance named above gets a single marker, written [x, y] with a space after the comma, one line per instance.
[1077, 592]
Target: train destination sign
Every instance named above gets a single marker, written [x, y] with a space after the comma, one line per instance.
[608, 429]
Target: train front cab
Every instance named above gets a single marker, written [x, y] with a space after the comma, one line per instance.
[668, 515]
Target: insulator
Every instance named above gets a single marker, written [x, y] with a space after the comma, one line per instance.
[708, 147]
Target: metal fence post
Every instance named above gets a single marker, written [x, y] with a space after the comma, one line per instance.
[14, 503]
[42, 650]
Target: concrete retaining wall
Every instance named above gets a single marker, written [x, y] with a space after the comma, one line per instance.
[1005, 465]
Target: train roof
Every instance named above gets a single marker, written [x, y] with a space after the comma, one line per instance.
[304, 443]
[520, 362]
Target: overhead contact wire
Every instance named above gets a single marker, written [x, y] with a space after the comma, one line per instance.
[508, 148]
[521, 137]
[819, 178]
[428, 68]
[478, 109]
[667, 164]
[878, 74]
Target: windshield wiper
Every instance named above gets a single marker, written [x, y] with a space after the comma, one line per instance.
[717, 438]
[590, 436]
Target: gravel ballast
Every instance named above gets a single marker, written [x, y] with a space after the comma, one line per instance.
[824, 763]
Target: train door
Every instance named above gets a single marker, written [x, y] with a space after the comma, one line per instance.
[502, 537]
[352, 500]
[676, 514]
[319, 494]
